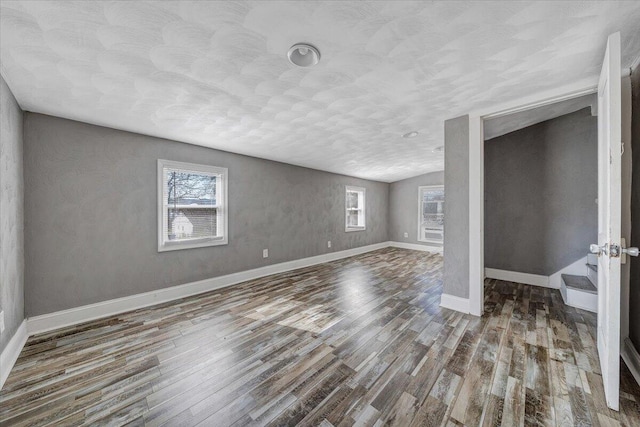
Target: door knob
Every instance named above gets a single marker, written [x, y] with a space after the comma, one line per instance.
[631, 251]
[598, 250]
[627, 251]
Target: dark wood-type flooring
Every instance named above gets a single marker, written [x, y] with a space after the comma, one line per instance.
[360, 341]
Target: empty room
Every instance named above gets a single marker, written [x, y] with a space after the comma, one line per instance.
[319, 213]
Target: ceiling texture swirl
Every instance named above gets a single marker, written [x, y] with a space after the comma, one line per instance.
[216, 73]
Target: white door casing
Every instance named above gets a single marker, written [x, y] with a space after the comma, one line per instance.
[609, 90]
[609, 219]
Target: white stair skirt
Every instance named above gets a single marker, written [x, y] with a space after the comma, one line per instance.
[578, 298]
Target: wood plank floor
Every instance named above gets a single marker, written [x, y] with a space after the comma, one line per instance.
[360, 341]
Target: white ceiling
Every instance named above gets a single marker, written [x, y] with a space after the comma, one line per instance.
[505, 124]
[216, 73]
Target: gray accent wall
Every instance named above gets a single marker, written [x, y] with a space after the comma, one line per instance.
[634, 288]
[456, 219]
[541, 183]
[403, 207]
[91, 214]
[11, 214]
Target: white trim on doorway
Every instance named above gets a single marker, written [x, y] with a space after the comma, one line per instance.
[476, 173]
[11, 352]
[540, 99]
[476, 217]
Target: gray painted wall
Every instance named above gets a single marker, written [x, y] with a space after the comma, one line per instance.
[541, 183]
[11, 214]
[634, 288]
[90, 203]
[403, 207]
[456, 220]
[503, 125]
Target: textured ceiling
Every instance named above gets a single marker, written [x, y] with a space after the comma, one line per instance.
[512, 122]
[216, 74]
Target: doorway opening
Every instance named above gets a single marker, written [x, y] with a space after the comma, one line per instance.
[541, 189]
[613, 213]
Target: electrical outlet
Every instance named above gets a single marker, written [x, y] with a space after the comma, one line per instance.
[265, 253]
[1, 321]
[328, 243]
[406, 234]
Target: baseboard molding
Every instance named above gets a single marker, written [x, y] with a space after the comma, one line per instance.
[416, 247]
[12, 351]
[631, 358]
[578, 268]
[86, 313]
[455, 303]
[514, 276]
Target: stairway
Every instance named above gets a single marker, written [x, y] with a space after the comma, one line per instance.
[582, 291]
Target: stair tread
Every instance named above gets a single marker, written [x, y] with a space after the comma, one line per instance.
[592, 267]
[580, 283]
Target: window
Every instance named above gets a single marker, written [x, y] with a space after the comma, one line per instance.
[431, 214]
[192, 205]
[355, 209]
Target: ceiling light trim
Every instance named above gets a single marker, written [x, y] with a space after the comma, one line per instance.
[411, 134]
[303, 55]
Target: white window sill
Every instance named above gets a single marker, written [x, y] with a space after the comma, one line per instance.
[191, 244]
[349, 229]
[440, 242]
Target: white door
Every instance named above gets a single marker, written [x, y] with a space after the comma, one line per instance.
[609, 218]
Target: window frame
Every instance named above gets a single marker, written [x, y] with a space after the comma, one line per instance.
[350, 228]
[222, 209]
[420, 197]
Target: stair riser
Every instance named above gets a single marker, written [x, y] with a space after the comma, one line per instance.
[579, 299]
[583, 300]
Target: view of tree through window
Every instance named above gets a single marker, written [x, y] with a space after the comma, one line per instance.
[191, 204]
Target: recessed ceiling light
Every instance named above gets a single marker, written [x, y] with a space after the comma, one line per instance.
[411, 134]
[303, 55]
[439, 149]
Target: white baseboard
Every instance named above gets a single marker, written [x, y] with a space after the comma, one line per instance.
[514, 276]
[86, 313]
[12, 351]
[455, 303]
[416, 247]
[631, 358]
[577, 268]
